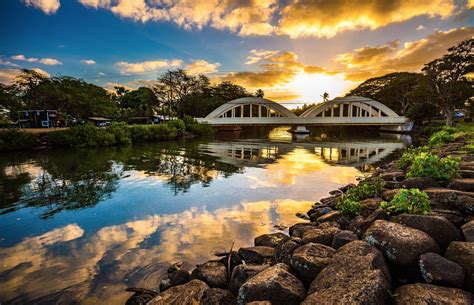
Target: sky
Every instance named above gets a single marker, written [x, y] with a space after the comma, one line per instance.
[295, 50]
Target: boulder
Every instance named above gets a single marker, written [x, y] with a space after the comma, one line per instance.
[462, 184]
[257, 255]
[368, 206]
[389, 194]
[260, 303]
[357, 274]
[400, 244]
[180, 277]
[275, 284]
[318, 212]
[212, 273]
[165, 284]
[438, 270]
[342, 238]
[430, 294]
[241, 274]
[302, 216]
[284, 250]
[468, 231]
[360, 224]
[308, 260]
[420, 183]
[235, 260]
[334, 216]
[217, 296]
[463, 254]
[455, 217]
[443, 198]
[467, 173]
[189, 293]
[270, 240]
[393, 175]
[321, 235]
[298, 229]
[439, 228]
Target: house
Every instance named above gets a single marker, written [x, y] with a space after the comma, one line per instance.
[39, 119]
[99, 121]
[144, 120]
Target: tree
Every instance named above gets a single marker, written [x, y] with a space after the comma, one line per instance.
[259, 93]
[448, 77]
[140, 102]
[24, 84]
[298, 111]
[325, 96]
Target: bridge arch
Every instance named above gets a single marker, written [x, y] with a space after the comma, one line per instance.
[350, 106]
[250, 107]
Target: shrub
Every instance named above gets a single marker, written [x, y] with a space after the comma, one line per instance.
[121, 133]
[200, 129]
[440, 137]
[428, 165]
[409, 155]
[13, 139]
[367, 188]
[177, 124]
[189, 120]
[412, 201]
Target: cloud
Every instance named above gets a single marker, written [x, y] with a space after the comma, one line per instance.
[8, 75]
[47, 6]
[7, 63]
[376, 61]
[50, 61]
[303, 18]
[201, 66]
[23, 58]
[147, 66]
[88, 61]
[470, 4]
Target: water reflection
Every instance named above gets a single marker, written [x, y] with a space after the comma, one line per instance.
[81, 226]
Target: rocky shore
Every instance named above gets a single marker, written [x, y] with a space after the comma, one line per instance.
[373, 256]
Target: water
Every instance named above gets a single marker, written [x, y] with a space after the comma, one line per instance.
[81, 226]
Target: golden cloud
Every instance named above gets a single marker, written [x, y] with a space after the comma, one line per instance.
[202, 67]
[47, 6]
[302, 18]
[8, 75]
[147, 66]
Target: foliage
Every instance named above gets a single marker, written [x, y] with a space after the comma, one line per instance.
[140, 102]
[200, 129]
[298, 111]
[178, 125]
[367, 188]
[428, 165]
[409, 155]
[13, 139]
[146, 133]
[440, 137]
[411, 201]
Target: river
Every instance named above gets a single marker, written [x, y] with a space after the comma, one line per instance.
[79, 226]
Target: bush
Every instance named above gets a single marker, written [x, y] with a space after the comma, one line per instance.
[367, 188]
[409, 155]
[13, 139]
[200, 129]
[440, 137]
[189, 120]
[121, 133]
[428, 165]
[412, 201]
[177, 124]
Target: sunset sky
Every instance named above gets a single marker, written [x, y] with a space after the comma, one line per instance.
[293, 50]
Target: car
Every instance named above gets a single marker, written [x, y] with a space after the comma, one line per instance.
[458, 114]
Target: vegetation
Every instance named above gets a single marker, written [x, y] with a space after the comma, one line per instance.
[409, 155]
[367, 188]
[298, 111]
[13, 139]
[411, 201]
[429, 165]
[440, 137]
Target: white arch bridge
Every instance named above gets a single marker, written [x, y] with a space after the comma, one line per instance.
[351, 111]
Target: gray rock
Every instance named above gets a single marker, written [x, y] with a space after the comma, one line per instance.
[357, 274]
[242, 273]
[187, 294]
[308, 260]
[284, 250]
[321, 235]
[400, 244]
[436, 269]
[342, 238]
[468, 231]
[420, 183]
[439, 228]
[463, 254]
[217, 296]
[430, 294]
[270, 240]
[257, 255]
[275, 284]
[212, 273]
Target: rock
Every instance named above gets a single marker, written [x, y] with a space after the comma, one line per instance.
[260, 303]
[420, 183]
[241, 274]
[357, 274]
[463, 254]
[330, 201]
[342, 238]
[165, 284]
[438, 270]
[400, 244]
[430, 294]
[334, 216]
[235, 260]
[439, 228]
[257, 255]
[468, 231]
[462, 184]
[297, 230]
[308, 260]
[393, 176]
[316, 213]
[360, 224]
[389, 194]
[270, 240]
[217, 296]
[467, 173]
[212, 273]
[180, 277]
[346, 187]
[443, 198]
[302, 216]
[275, 284]
[455, 217]
[173, 268]
[189, 293]
[321, 235]
[137, 298]
[284, 250]
[368, 206]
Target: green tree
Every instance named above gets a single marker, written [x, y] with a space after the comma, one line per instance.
[448, 77]
[140, 102]
[259, 93]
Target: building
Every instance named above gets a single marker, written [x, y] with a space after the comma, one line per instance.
[40, 119]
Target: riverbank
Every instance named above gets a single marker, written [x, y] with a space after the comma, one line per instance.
[91, 136]
[404, 235]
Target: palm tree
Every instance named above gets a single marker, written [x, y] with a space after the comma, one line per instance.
[325, 96]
